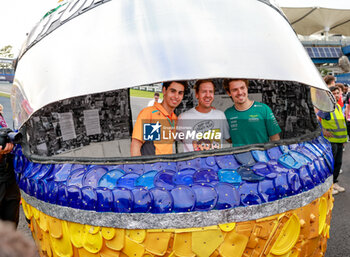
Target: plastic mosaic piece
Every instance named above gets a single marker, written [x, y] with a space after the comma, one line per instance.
[294, 182]
[274, 153]
[92, 242]
[183, 245]
[206, 176]
[249, 194]
[260, 156]
[227, 162]
[204, 243]
[157, 243]
[184, 177]
[206, 197]
[229, 176]
[288, 161]
[245, 158]
[267, 190]
[93, 176]
[89, 198]
[76, 177]
[128, 180]
[160, 166]
[110, 179]
[162, 200]
[184, 198]
[76, 232]
[62, 245]
[261, 169]
[142, 200]
[305, 179]
[44, 171]
[228, 196]
[248, 174]
[234, 243]
[134, 168]
[281, 185]
[108, 233]
[117, 242]
[60, 172]
[123, 200]
[288, 236]
[62, 195]
[147, 179]
[131, 248]
[164, 179]
[195, 163]
[74, 197]
[137, 235]
[104, 200]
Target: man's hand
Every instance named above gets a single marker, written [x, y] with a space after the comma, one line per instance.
[326, 133]
[8, 148]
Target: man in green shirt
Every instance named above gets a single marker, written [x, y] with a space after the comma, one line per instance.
[250, 122]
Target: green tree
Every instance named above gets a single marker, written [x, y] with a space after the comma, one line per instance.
[6, 52]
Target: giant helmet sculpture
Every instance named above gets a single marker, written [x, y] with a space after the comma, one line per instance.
[73, 101]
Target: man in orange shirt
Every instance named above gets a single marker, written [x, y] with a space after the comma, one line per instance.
[155, 125]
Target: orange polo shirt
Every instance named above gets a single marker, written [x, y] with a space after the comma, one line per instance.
[167, 122]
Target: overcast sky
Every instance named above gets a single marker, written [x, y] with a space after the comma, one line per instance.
[18, 17]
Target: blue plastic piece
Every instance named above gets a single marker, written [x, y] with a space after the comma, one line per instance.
[267, 190]
[52, 191]
[76, 178]
[142, 200]
[294, 183]
[227, 162]
[274, 153]
[184, 199]
[44, 171]
[248, 174]
[300, 158]
[261, 168]
[110, 179]
[230, 176]
[164, 179]
[30, 173]
[228, 196]
[195, 164]
[41, 190]
[128, 180]
[245, 159]
[162, 200]
[305, 179]
[123, 200]
[314, 174]
[288, 161]
[74, 197]
[209, 163]
[93, 176]
[274, 166]
[260, 156]
[146, 180]
[60, 172]
[206, 197]
[89, 196]
[134, 168]
[282, 186]
[249, 194]
[29, 169]
[184, 177]
[159, 166]
[206, 176]
[104, 200]
[284, 148]
[62, 196]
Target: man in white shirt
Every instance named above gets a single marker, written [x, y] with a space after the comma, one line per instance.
[203, 127]
[155, 99]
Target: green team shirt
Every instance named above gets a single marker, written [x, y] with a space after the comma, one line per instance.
[251, 126]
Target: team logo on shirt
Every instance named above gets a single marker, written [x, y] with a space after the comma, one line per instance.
[151, 131]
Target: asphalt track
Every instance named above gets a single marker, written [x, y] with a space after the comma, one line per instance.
[339, 241]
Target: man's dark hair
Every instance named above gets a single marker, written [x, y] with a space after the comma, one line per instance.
[156, 94]
[201, 81]
[333, 88]
[182, 82]
[227, 83]
[329, 79]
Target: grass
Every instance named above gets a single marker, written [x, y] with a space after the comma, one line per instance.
[4, 94]
[145, 94]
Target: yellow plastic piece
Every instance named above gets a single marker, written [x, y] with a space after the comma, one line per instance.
[322, 214]
[92, 229]
[234, 243]
[108, 233]
[185, 230]
[183, 245]
[157, 243]
[43, 224]
[35, 213]
[83, 252]
[227, 227]
[62, 246]
[132, 248]
[55, 227]
[106, 252]
[117, 243]
[288, 237]
[92, 241]
[77, 234]
[137, 235]
[27, 209]
[204, 243]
